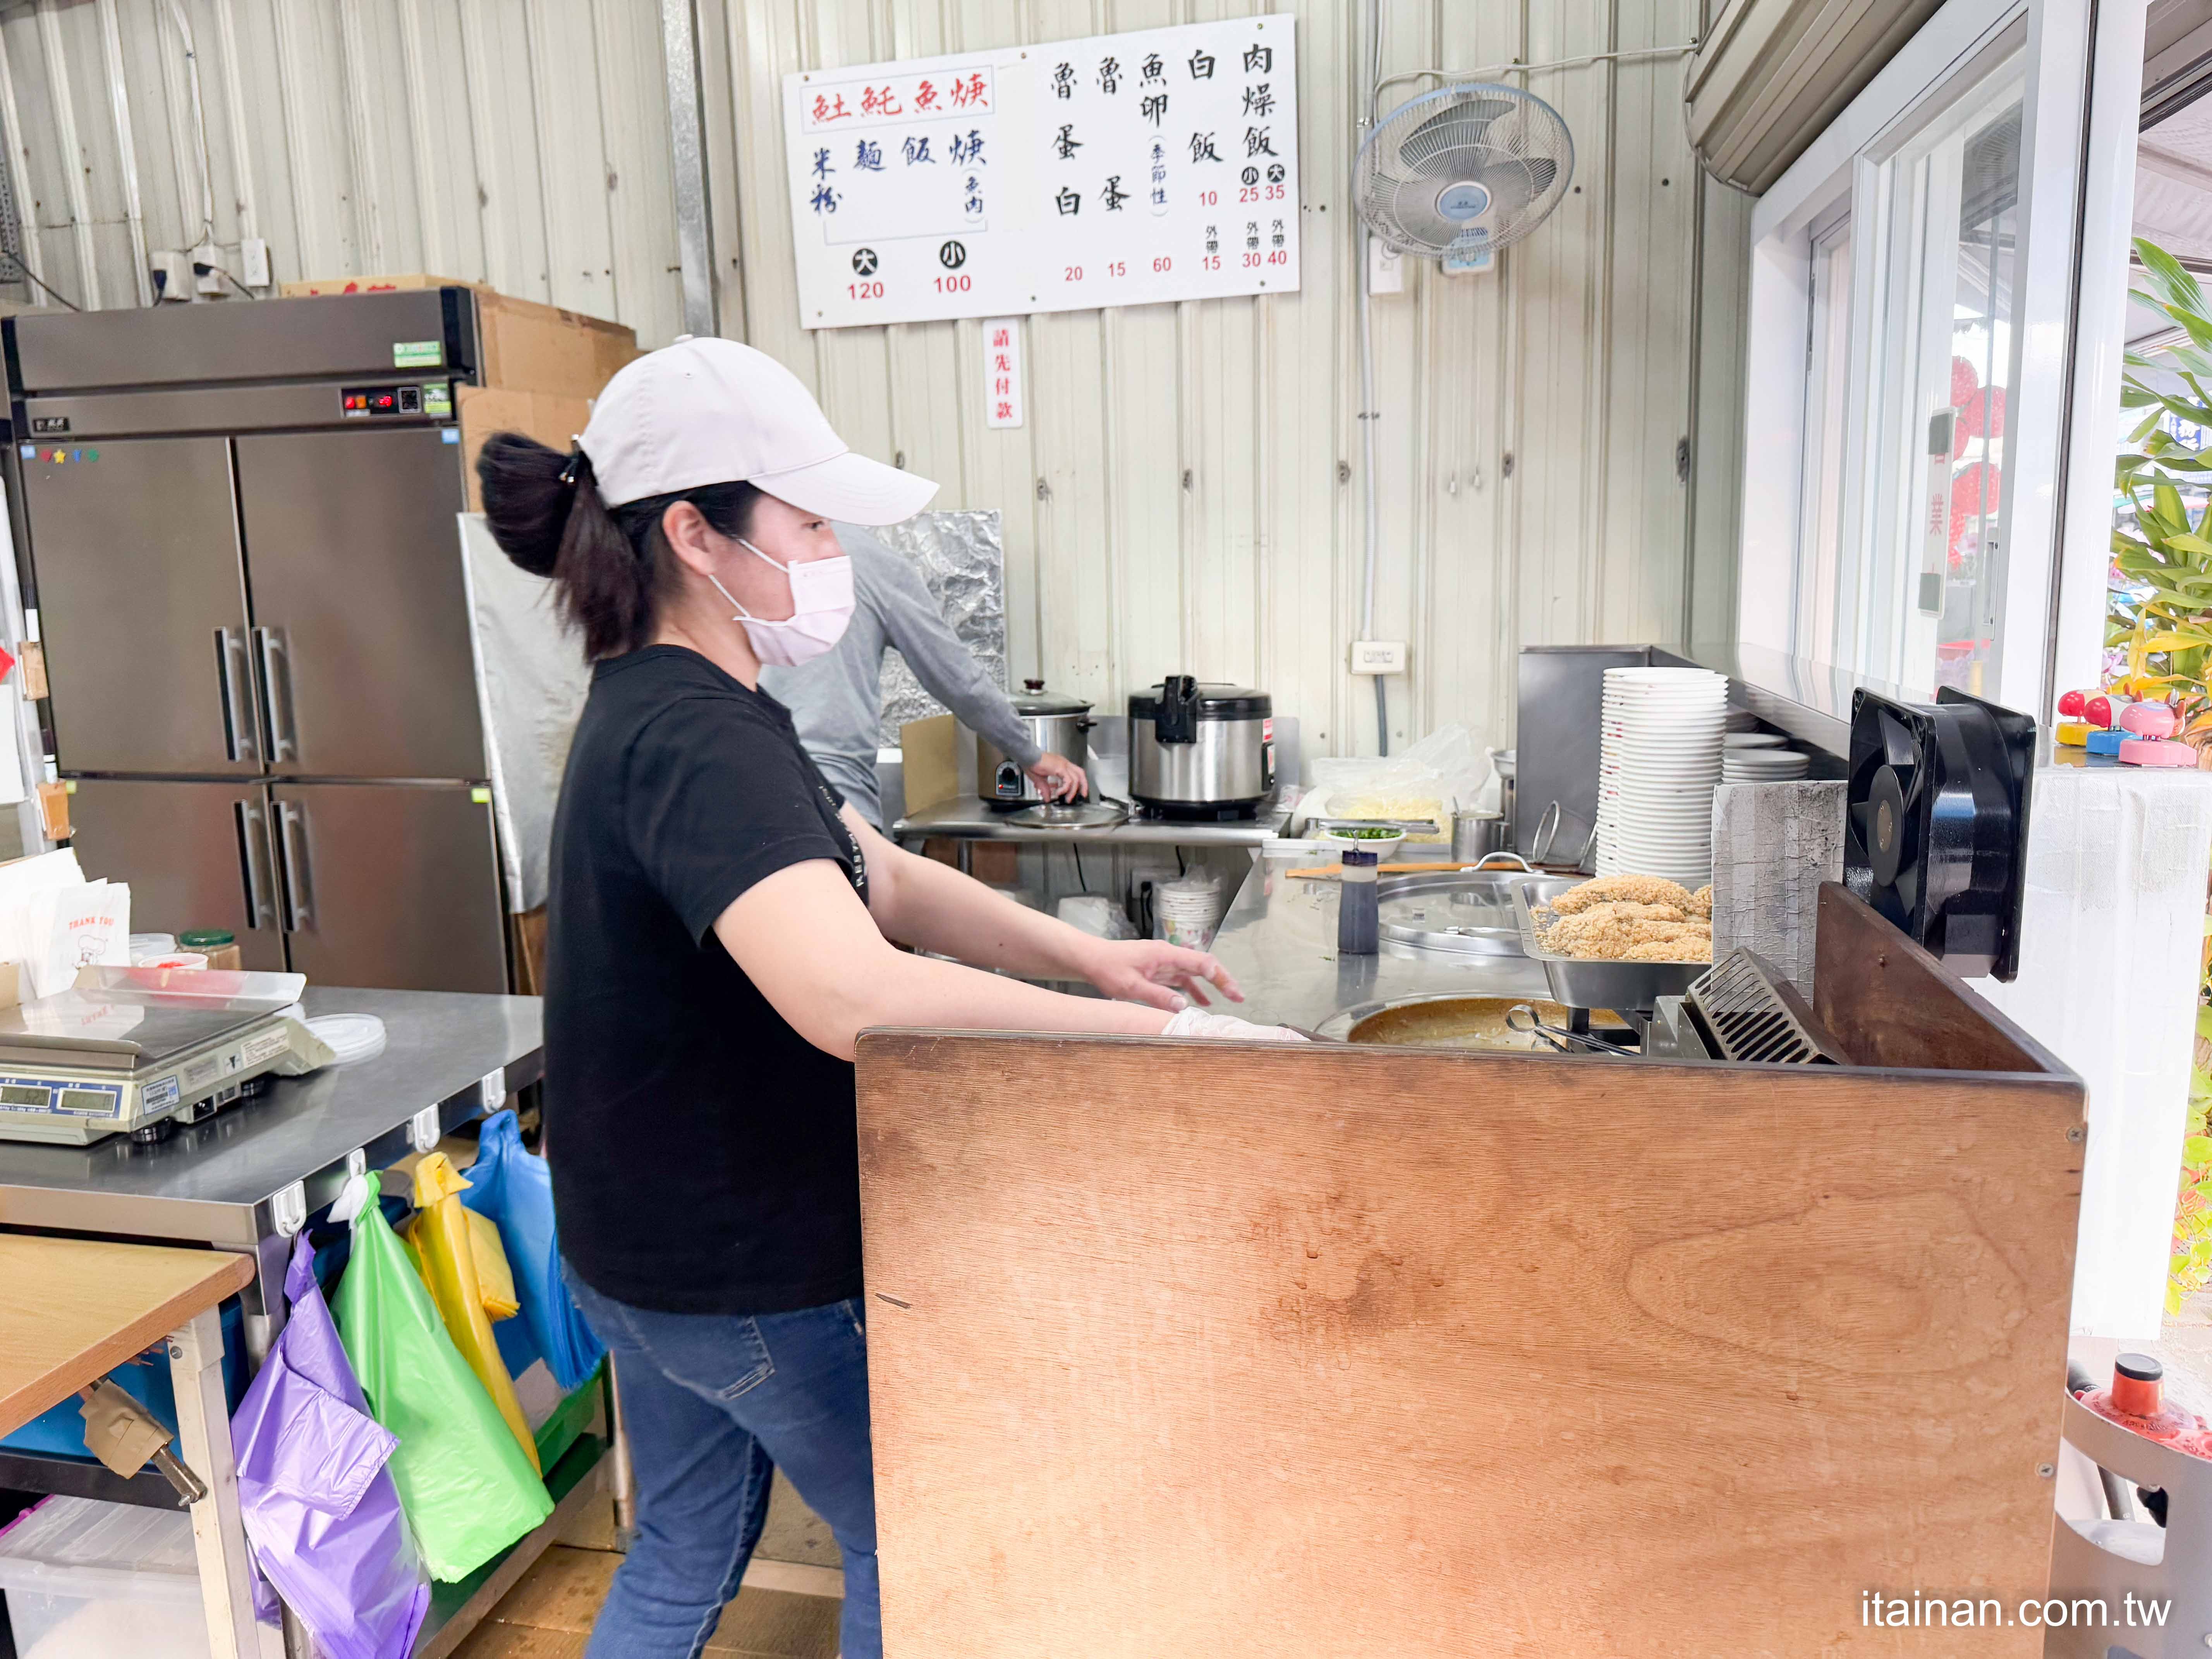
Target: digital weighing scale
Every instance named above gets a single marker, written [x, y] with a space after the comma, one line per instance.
[102, 1061]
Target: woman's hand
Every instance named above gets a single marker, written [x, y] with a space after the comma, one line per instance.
[1156, 974]
[1061, 778]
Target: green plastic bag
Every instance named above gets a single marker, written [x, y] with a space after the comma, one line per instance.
[467, 1488]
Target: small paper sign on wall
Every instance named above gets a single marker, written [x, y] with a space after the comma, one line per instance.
[1002, 371]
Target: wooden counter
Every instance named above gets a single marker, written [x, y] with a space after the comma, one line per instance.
[1188, 1347]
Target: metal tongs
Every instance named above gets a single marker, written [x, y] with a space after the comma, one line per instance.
[1557, 1038]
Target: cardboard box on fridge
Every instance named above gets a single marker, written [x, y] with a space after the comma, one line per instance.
[525, 346]
[552, 419]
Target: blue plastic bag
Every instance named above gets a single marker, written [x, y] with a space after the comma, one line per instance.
[516, 1191]
[320, 1509]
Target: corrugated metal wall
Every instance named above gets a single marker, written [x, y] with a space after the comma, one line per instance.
[523, 143]
[1185, 497]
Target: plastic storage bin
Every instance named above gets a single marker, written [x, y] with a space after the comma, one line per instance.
[87, 1580]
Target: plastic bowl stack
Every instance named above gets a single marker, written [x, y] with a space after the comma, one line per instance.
[1659, 762]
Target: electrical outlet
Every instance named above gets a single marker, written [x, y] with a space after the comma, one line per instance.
[253, 262]
[1385, 269]
[1378, 657]
[172, 274]
[207, 262]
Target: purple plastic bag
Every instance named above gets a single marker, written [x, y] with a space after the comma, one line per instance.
[320, 1510]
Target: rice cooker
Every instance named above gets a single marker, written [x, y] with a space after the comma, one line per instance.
[1059, 725]
[1199, 750]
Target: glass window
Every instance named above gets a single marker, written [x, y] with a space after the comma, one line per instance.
[1902, 557]
[1827, 404]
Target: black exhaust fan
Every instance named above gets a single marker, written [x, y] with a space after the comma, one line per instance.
[1936, 827]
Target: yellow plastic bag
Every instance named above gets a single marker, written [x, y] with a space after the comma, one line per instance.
[494, 1276]
[443, 1241]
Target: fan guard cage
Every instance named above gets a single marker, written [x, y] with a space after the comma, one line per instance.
[1409, 178]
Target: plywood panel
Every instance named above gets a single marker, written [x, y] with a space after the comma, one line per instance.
[1293, 1352]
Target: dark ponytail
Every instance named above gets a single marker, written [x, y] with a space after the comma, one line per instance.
[613, 567]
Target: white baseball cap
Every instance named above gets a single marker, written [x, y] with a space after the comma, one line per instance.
[704, 411]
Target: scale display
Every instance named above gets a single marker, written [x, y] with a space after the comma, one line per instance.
[1119, 169]
[60, 1098]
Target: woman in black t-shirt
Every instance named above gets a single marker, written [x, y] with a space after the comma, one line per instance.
[720, 933]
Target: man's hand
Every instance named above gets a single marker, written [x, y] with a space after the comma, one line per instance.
[1156, 974]
[1061, 778]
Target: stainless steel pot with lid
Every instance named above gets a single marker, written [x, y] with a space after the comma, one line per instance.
[1202, 749]
[1057, 725]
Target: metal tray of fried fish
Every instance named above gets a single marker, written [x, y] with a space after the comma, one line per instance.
[1586, 982]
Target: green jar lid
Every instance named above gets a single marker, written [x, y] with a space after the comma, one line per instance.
[206, 938]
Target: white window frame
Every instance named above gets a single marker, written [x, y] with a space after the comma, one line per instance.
[2041, 606]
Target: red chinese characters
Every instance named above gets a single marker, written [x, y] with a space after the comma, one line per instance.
[880, 100]
[831, 107]
[969, 92]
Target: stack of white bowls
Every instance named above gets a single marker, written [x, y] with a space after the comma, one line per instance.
[1659, 761]
[1759, 757]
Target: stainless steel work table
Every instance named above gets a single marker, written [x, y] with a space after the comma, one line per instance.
[247, 1179]
[1279, 940]
[965, 819]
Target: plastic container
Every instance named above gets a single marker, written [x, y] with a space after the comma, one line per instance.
[1359, 906]
[86, 1578]
[191, 959]
[352, 1038]
[218, 945]
[1097, 914]
[144, 946]
[1381, 840]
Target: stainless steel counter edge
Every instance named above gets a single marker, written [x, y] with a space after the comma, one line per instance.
[34, 1197]
[235, 1226]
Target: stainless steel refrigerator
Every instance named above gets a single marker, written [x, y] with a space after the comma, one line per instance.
[237, 526]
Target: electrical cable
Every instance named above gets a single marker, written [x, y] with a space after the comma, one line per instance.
[199, 121]
[25, 273]
[1079, 881]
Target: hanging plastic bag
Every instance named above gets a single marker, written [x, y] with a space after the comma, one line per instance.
[516, 1191]
[494, 1277]
[449, 1259]
[320, 1510]
[467, 1488]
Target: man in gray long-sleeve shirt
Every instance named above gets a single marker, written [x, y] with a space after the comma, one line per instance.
[836, 699]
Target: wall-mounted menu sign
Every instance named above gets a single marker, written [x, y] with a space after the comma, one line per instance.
[1117, 170]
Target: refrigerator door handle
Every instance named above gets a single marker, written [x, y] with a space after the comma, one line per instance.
[253, 862]
[276, 689]
[298, 887]
[238, 727]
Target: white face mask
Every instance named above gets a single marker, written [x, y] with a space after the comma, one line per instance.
[821, 610]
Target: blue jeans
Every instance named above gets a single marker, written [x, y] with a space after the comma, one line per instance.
[713, 1406]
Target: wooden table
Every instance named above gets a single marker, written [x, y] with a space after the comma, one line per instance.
[73, 1309]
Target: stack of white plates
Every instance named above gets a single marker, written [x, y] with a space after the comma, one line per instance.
[1659, 760]
[1763, 765]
